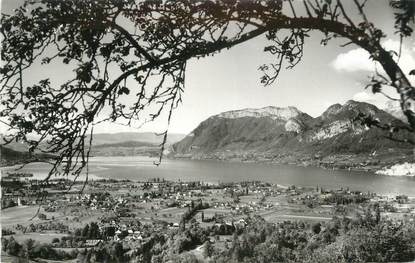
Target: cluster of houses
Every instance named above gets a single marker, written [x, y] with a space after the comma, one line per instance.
[395, 204]
[162, 194]
[24, 189]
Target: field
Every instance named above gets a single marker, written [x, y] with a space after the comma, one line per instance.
[11, 259]
[276, 216]
[41, 237]
[19, 215]
[171, 214]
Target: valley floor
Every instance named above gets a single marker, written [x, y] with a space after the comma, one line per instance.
[133, 214]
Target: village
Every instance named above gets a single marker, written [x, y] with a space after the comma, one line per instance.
[131, 212]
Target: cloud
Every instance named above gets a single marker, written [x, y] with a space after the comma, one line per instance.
[359, 60]
[353, 60]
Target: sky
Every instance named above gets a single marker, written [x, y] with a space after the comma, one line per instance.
[230, 80]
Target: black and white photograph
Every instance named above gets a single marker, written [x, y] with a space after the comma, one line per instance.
[207, 131]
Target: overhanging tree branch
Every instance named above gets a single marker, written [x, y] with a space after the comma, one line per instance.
[133, 42]
[85, 36]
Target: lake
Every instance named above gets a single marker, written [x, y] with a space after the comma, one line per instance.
[142, 168]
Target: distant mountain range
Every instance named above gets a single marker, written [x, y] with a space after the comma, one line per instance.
[10, 157]
[288, 135]
[104, 144]
[270, 134]
[130, 143]
[144, 137]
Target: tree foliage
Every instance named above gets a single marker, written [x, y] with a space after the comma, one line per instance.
[126, 48]
[340, 240]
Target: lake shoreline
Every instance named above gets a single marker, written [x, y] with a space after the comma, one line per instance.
[375, 169]
[139, 168]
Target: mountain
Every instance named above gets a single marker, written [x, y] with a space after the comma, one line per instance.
[125, 148]
[147, 137]
[129, 143]
[242, 130]
[9, 156]
[132, 139]
[114, 144]
[125, 144]
[291, 136]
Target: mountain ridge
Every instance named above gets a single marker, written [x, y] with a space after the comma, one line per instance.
[104, 144]
[297, 138]
[284, 113]
[144, 137]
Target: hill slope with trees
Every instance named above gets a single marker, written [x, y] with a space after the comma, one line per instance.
[296, 138]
